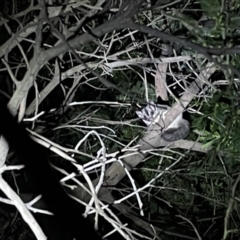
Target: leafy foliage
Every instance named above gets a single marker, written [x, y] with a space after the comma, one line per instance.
[190, 192]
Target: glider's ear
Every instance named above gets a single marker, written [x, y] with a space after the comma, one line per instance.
[139, 113]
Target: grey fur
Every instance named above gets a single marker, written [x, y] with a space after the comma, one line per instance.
[154, 113]
[174, 134]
